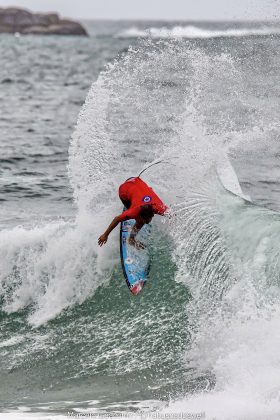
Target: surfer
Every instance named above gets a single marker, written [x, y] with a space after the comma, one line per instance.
[141, 203]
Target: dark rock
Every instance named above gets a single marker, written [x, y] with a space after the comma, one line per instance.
[7, 80]
[14, 20]
[72, 28]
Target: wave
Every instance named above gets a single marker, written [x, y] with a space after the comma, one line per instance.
[218, 257]
[50, 268]
[194, 32]
[47, 269]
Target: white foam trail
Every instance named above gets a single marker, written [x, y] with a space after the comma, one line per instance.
[92, 150]
[50, 268]
[12, 341]
[235, 339]
[194, 32]
[243, 354]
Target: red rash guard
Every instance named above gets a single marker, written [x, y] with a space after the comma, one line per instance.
[139, 193]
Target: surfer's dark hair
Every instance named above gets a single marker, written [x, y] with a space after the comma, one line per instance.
[147, 211]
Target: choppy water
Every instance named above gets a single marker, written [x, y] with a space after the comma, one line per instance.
[203, 335]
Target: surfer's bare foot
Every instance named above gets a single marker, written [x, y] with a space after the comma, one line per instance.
[136, 244]
[140, 245]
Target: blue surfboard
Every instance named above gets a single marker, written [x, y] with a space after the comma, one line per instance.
[135, 262]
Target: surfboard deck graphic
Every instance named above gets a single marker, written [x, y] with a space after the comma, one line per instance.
[135, 262]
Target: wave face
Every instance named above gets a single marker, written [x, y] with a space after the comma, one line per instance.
[202, 333]
[195, 32]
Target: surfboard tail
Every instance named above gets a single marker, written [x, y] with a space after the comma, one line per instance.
[137, 287]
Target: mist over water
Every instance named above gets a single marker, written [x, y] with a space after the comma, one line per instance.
[202, 337]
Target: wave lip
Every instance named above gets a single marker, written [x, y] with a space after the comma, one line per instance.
[194, 32]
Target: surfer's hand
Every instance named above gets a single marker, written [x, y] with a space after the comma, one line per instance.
[102, 240]
[137, 244]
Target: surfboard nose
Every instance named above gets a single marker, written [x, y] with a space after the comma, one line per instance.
[137, 287]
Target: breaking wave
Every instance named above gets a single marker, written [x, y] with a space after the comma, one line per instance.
[211, 313]
[195, 32]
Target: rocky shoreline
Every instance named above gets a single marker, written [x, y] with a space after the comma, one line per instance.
[16, 20]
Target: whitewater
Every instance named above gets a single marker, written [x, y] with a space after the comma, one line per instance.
[202, 339]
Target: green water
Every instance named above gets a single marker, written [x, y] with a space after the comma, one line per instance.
[113, 348]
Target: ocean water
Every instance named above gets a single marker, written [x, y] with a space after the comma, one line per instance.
[78, 117]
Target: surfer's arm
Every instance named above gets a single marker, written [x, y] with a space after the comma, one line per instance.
[103, 238]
